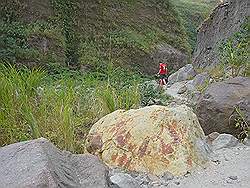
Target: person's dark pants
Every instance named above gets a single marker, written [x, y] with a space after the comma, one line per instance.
[164, 76]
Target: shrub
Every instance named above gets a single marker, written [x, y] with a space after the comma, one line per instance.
[241, 123]
[151, 94]
[234, 52]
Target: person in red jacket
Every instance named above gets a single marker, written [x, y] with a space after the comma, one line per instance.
[163, 71]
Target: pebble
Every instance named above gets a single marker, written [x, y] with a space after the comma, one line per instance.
[233, 177]
[177, 183]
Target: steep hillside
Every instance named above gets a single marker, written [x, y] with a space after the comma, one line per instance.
[90, 33]
[225, 20]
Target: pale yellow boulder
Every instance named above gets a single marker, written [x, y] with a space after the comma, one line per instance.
[155, 139]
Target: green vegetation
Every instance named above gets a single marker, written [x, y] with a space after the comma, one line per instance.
[193, 13]
[89, 34]
[35, 104]
[241, 124]
[66, 15]
[152, 94]
[64, 64]
[234, 52]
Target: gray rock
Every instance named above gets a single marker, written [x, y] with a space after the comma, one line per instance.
[211, 137]
[171, 56]
[182, 90]
[246, 141]
[225, 20]
[203, 148]
[124, 180]
[216, 107]
[201, 80]
[185, 73]
[38, 163]
[233, 177]
[224, 141]
[142, 179]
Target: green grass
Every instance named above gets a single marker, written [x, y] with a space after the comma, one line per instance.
[61, 108]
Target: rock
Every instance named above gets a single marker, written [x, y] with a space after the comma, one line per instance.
[174, 90]
[216, 107]
[174, 58]
[201, 80]
[167, 176]
[246, 141]
[143, 179]
[38, 163]
[224, 141]
[224, 21]
[182, 90]
[185, 73]
[153, 140]
[124, 181]
[233, 177]
[211, 137]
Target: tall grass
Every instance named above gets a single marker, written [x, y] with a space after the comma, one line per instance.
[61, 110]
[17, 97]
[113, 99]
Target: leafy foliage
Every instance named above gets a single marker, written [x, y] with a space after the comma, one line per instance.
[67, 15]
[241, 124]
[152, 94]
[234, 52]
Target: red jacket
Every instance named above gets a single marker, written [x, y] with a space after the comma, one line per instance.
[163, 69]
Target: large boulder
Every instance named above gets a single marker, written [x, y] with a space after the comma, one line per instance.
[185, 73]
[216, 107]
[38, 163]
[225, 20]
[155, 139]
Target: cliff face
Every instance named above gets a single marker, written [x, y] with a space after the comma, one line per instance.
[225, 20]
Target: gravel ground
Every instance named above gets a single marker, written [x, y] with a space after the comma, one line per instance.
[230, 168]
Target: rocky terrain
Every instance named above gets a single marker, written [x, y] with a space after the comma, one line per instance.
[199, 138]
[38, 163]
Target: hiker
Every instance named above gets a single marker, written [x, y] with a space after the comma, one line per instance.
[163, 71]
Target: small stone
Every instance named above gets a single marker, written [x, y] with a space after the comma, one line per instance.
[217, 162]
[167, 176]
[124, 180]
[187, 174]
[182, 90]
[233, 177]
[177, 183]
[224, 141]
[246, 141]
[211, 137]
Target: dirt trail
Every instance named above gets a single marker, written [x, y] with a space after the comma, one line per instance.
[230, 168]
